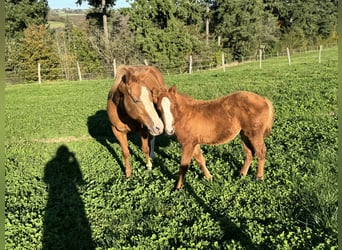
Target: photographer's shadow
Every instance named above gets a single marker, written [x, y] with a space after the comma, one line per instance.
[65, 223]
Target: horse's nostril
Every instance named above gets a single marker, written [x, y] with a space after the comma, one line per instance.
[157, 129]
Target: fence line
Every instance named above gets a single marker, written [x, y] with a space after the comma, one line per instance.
[191, 65]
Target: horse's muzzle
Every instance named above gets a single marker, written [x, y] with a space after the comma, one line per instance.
[170, 132]
[156, 130]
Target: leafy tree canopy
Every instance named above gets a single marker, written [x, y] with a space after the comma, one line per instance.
[19, 14]
[97, 3]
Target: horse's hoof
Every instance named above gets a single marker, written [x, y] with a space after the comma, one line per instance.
[210, 178]
[149, 166]
[260, 178]
[128, 174]
[242, 174]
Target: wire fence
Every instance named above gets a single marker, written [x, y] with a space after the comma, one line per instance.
[190, 65]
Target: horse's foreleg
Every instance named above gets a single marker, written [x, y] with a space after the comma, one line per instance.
[152, 140]
[201, 162]
[187, 153]
[122, 138]
[145, 148]
[249, 152]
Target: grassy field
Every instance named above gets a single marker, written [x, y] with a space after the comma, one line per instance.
[66, 189]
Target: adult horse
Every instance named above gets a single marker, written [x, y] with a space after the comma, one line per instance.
[130, 108]
[216, 121]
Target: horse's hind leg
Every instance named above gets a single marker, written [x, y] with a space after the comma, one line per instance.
[201, 162]
[261, 155]
[249, 152]
[122, 138]
[260, 152]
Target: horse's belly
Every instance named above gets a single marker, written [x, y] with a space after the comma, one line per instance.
[214, 135]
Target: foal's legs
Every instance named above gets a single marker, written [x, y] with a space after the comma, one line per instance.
[260, 151]
[187, 153]
[201, 161]
[254, 144]
[249, 153]
[122, 138]
[145, 148]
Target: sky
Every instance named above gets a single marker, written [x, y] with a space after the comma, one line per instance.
[60, 4]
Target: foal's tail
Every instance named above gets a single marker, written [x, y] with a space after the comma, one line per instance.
[270, 118]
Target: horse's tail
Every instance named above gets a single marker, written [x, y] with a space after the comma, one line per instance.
[118, 79]
[270, 118]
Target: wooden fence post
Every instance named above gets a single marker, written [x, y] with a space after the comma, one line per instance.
[260, 58]
[114, 67]
[288, 55]
[39, 76]
[320, 53]
[190, 64]
[223, 64]
[79, 71]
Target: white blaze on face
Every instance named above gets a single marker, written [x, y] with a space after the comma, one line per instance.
[168, 117]
[158, 125]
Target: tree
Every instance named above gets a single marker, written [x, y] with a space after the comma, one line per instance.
[73, 46]
[242, 25]
[166, 32]
[103, 5]
[19, 14]
[35, 47]
[304, 23]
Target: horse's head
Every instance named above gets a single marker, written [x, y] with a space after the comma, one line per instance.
[164, 100]
[137, 100]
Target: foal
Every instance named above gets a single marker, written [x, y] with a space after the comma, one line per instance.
[216, 121]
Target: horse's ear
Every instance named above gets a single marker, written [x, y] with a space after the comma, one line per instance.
[126, 78]
[173, 89]
[155, 94]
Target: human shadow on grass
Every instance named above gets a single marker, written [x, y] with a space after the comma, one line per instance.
[65, 223]
[100, 129]
[230, 229]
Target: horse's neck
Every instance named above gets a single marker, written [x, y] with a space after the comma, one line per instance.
[184, 103]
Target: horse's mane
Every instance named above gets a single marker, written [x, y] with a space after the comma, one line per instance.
[118, 79]
[189, 100]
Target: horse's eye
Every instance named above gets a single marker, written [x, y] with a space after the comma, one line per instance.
[135, 100]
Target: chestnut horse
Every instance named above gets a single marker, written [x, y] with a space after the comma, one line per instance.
[216, 121]
[130, 108]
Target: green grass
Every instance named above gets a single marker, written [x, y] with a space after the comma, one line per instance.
[56, 24]
[51, 200]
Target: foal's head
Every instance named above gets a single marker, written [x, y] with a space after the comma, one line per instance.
[137, 100]
[165, 102]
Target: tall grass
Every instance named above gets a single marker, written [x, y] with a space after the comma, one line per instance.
[56, 200]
